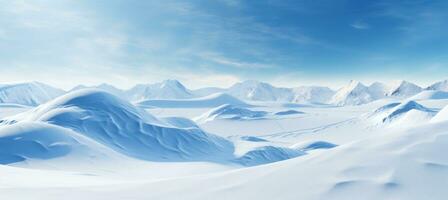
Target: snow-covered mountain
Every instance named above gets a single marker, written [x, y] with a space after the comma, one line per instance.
[31, 94]
[355, 93]
[259, 91]
[168, 89]
[312, 94]
[403, 89]
[441, 85]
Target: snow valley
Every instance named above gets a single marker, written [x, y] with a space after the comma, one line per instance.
[252, 140]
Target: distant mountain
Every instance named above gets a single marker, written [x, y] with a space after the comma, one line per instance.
[30, 94]
[312, 94]
[403, 89]
[355, 93]
[442, 86]
[168, 89]
[259, 91]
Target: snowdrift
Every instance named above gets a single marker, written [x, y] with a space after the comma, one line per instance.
[89, 118]
[406, 113]
[126, 129]
[268, 154]
[231, 112]
[288, 112]
[210, 101]
[25, 141]
[313, 145]
[442, 115]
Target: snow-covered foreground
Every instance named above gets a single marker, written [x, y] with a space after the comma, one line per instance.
[93, 145]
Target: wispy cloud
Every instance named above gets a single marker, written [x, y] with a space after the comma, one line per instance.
[360, 25]
[221, 60]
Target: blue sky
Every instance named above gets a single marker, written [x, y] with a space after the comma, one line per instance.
[217, 43]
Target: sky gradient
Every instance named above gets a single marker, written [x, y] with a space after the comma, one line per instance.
[217, 43]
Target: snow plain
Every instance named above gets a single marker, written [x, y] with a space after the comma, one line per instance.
[94, 144]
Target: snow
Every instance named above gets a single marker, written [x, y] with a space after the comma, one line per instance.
[312, 94]
[126, 129]
[430, 94]
[442, 115]
[259, 91]
[231, 112]
[92, 144]
[168, 89]
[354, 93]
[441, 86]
[210, 101]
[30, 94]
[403, 89]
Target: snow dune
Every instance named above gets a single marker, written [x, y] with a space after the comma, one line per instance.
[126, 129]
[118, 125]
[210, 101]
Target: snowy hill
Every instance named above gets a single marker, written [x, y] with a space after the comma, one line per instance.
[168, 89]
[31, 94]
[312, 94]
[441, 116]
[124, 128]
[259, 91]
[441, 86]
[406, 113]
[231, 112]
[210, 101]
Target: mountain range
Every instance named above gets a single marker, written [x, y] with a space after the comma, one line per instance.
[354, 93]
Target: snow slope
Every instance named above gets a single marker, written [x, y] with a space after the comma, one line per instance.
[441, 85]
[126, 129]
[230, 112]
[213, 100]
[441, 116]
[388, 165]
[30, 94]
[430, 94]
[403, 89]
[355, 93]
[28, 141]
[406, 113]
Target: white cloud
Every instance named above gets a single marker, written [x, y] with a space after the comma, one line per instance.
[360, 25]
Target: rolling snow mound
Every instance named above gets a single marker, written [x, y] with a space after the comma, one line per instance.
[126, 129]
[406, 113]
[210, 101]
[231, 112]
